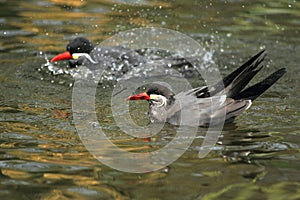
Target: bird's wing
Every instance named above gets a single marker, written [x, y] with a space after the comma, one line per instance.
[259, 88]
[236, 81]
[189, 110]
[232, 108]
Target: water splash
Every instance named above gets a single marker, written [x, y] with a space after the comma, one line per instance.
[154, 62]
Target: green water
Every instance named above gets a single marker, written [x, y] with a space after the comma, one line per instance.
[41, 155]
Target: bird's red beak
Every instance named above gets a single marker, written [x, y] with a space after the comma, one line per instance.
[141, 96]
[63, 56]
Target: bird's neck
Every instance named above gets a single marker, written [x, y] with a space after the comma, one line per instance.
[157, 114]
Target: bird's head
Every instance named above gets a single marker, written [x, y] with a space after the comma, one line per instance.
[157, 95]
[77, 49]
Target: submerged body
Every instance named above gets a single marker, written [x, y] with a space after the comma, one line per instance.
[81, 49]
[118, 59]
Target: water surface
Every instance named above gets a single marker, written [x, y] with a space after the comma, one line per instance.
[41, 155]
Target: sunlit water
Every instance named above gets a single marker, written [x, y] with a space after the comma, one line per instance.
[41, 155]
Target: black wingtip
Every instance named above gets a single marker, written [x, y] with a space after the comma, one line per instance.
[245, 73]
[258, 89]
[282, 71]
[260, 53]
[256, 60]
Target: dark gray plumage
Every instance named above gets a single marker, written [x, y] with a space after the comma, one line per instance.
[205, 106]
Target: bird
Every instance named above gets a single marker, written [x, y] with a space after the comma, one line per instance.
[81, 49]
[193, 107]
[118, 59]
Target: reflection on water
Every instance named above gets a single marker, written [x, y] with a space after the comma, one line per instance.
[41, 155]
